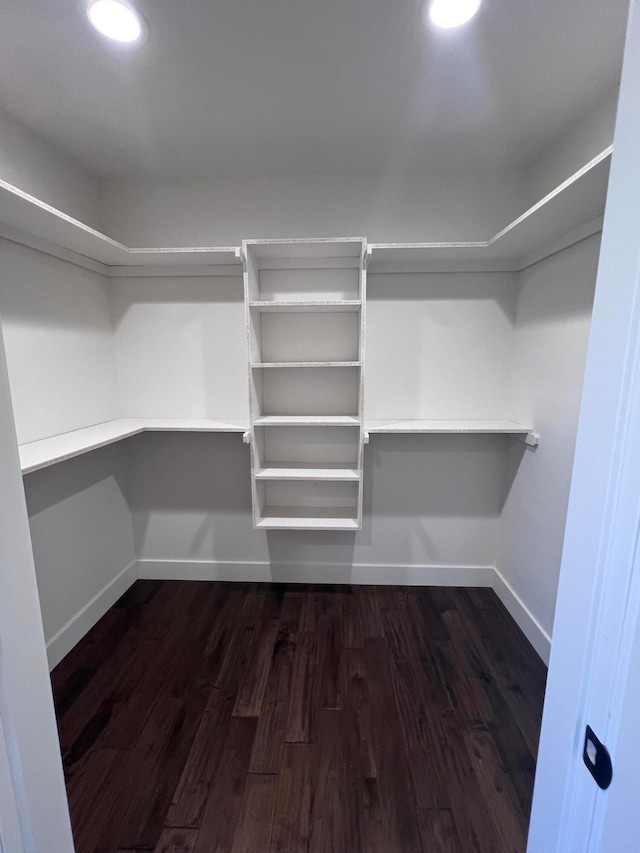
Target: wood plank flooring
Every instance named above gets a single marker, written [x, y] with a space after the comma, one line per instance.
[262, 718]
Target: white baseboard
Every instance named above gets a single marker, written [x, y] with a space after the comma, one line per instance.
[480, 576]
[66, 638]
[524, 618]
[316, 573]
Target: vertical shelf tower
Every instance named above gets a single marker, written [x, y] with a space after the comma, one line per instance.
[305, 312]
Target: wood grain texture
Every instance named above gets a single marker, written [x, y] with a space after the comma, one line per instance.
[231, 718]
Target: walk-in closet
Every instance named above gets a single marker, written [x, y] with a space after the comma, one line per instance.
[295, 305]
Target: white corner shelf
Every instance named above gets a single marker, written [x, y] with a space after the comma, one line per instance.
[572, 211]
[28, 220]
[302, 306]
[305, 518]
[453, 427]
[58, 448]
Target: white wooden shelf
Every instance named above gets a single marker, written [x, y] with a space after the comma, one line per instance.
[269, 364]
[570, 212]
[48, 451]
[26, 219]
[307, 420]
[305, 518]
[451, 427]
[58, 448]
[291, 471]
[575, 205]
[310, 306]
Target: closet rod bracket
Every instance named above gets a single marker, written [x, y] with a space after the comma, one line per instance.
[246, 437]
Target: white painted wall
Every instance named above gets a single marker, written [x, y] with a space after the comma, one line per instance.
[439, 345]
[26, 706]
[82, 539]
[454, 206]
[29, 162]
[61, 361]
[59, 343]
[181, 347]
[428, 501]
[580, 143]
[552, 330]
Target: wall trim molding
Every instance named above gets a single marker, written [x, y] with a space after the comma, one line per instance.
[524, 618]
[360, 573]
[66, 638]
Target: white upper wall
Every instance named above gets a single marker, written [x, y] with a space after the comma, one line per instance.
[460, 205]
[439, 345]
[382, 208]
[35, 166]
[181, 347]
[59, 343]
[580, 143]
[552, 331]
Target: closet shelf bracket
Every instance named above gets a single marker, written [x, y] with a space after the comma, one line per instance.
[246, 437]
[365, 437]
[530, 438]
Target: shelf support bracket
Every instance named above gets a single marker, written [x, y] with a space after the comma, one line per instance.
[530, 438]
[365, 437]
[246, 437]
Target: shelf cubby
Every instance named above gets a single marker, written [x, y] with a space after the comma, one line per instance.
[305, 390]
[305, 448]
[312, 504]
[306, 337]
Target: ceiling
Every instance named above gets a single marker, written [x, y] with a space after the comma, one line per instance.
[224, 87]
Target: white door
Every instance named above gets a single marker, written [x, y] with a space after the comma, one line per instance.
[620, 818]
[10, 833]
[595, 641]
[31, 780]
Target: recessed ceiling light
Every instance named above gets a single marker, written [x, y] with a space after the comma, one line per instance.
[115, 19]
[452, 13]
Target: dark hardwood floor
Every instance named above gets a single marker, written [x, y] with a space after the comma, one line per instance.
[255, 718]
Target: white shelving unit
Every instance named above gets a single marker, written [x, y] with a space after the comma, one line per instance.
[305, 334]
[305, 312]
[30, 221]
